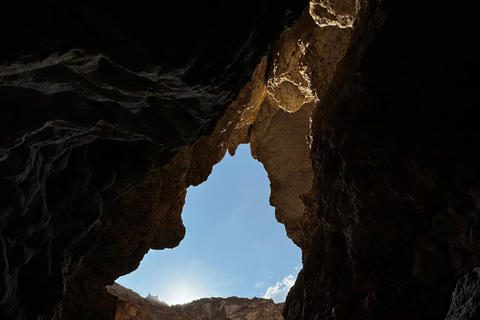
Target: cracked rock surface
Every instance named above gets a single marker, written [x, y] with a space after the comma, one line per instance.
[131, 306]
[95, 96]
[466, 298]
[364, 115]
[395, 156]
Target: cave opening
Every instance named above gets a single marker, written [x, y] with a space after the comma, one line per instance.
[233, 244]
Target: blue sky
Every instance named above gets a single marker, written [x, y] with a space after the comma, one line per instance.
[233, 245]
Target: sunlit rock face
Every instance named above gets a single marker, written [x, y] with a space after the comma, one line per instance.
[280, 136]
[465, 303]
[129, 305]
[273, 114]
[95, 95]
[396, 158]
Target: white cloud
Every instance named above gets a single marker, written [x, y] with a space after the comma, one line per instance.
[279, 291]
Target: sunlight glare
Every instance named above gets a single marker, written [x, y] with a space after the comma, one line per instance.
[183, 291]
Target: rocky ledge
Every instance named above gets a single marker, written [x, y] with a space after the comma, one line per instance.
[131, 306]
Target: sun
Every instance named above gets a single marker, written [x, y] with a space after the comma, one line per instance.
[183, 291]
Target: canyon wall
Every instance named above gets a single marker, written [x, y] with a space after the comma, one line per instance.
[131, 306]
[96, 98]
[147, 216]
[364, 115]
[395, 155]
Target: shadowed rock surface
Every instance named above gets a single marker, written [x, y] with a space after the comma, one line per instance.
[94, 95]
[395, 156]
[466, 297]
[109, 111]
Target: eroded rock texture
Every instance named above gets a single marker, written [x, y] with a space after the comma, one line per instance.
[109, 111]
[395, 155]
[94, 96]
[131, 306]
[466, 298]
[279, 137]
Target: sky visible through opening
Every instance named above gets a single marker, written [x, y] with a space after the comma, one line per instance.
[233, 246]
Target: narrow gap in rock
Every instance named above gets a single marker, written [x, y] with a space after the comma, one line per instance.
[233, 246]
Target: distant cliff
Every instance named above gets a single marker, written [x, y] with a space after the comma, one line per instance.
[131, 306]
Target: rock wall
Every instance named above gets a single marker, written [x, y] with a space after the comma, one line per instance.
[272, 113]
[363, 115]
[131, 306]
[465, 299]
[95, 96]
[395, 158]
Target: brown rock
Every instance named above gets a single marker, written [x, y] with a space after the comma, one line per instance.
[94, 98]
[396, 214]
[104, 124]
[131, 306]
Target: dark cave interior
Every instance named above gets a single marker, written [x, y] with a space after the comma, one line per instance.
[368, 132]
